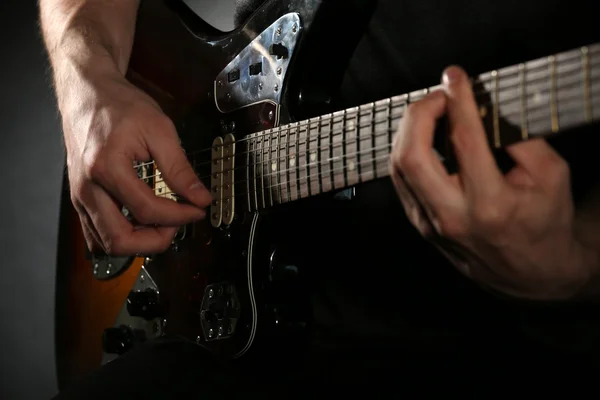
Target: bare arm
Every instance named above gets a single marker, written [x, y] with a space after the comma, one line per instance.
[108, 124]
[94, 32]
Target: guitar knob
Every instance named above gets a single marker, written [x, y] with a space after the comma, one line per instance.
[117, 340]
[144, 304]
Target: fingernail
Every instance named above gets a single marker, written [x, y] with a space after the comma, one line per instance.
[452, 75]
[198, 185]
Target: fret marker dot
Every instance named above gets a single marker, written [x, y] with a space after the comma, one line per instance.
[351, 165]
[292, 162]
[350, 125]
[274, 166]
[537, 98]
[313, 156]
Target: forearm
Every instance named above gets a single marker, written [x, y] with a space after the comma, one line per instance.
[91, 34]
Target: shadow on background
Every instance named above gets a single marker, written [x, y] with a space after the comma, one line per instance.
[32, 163]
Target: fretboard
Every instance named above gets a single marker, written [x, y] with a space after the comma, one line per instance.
[335, 151]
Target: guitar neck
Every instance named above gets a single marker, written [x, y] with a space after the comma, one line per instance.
[335, 151]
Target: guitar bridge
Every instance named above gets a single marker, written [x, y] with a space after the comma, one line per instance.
[220, 311]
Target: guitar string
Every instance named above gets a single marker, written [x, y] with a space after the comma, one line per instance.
[285, 145]
[317, 166]
[294, 182]
[573, 60]
[545, 68]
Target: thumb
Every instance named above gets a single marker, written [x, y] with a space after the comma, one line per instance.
[174, 166]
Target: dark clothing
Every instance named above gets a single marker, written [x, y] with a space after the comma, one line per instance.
[392, 309]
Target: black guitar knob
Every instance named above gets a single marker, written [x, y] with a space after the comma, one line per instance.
[117, 340]
[144, 304]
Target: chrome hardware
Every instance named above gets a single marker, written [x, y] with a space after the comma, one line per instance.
[216, 183]
[219, 312]
[106, 267]
[223, 181]
[150, 328]
[260, 65]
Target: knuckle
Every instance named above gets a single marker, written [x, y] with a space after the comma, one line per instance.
[114, 245]
[144, 215]
[451, 227]
[178, 172]
[490, 216]
[458, 138]
[162, 124]
[94, 167]
[77, 193]
[408, 162]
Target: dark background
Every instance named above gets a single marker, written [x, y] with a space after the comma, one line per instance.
[31, 166]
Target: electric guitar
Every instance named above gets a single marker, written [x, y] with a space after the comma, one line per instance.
[275, 145]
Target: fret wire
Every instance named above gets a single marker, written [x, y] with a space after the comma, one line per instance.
[553, 97]
[277, 166]
[593, 63]
[496, 110]
[523, 87]
[270, 164]
[516, 113]
[307, 157]
[594, 51]
[248, 177]
[399, 115]
[255, 173]
[319, 158]
[358, 145]
[585, 59]
[389, 118]
[329, 133]
[297, 164]
[537, 120]
[265, 185]
[267, 147]
[345, 176]
[382, 158]
[287, 163]
[373, 142]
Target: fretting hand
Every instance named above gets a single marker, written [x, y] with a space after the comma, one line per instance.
[513, 233]
[109, 123]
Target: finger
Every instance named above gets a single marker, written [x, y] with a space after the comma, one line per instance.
[478, 168]
[540, 161]
[175, 167]
[118, 235]
[90, 234]
[93, 243]
[120, 179]
[414, 159]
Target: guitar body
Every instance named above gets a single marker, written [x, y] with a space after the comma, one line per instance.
[229, 288]
[236, 283]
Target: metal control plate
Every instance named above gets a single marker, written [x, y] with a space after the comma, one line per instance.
[257, 73]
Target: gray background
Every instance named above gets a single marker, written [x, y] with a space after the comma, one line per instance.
[31, 166]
